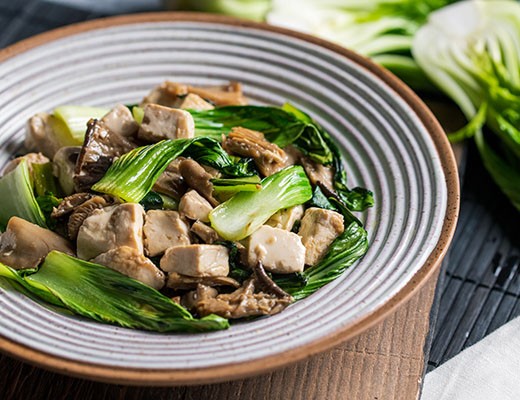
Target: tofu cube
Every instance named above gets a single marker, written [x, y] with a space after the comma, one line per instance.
[111, 227]
[161, 122]
[195, 207]
[198, 260]
[318, 230]
[120, 121]
[163, 229]
[285, 218]
[278, 250]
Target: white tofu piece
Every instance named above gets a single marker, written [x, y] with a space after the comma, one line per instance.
[195, 102]
[197, 260]
[163, 229]
[285, 218]
[120, 121]
[278, 250]
[161, 122]
[195, 207]
[111, 227]
[130, 262]
[318, 230]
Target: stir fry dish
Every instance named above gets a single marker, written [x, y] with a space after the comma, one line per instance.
[179, 213]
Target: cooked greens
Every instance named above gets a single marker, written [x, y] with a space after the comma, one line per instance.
[225, 211]
[277, 124]
[132, 176]
[105, 295]
[18, 197]
[245, 212]
[73, 121]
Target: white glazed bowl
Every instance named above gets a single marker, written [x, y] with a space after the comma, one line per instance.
[391, 142]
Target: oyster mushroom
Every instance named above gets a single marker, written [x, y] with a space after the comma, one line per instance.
[24, 245]
[197, 178]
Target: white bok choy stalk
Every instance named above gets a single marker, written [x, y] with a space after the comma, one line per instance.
[380, 29]
[471, 51]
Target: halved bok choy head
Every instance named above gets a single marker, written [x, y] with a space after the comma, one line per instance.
[471, 50]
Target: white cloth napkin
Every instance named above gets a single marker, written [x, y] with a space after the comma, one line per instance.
[488, 370]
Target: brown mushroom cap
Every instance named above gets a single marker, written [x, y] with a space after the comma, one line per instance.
[99, 149]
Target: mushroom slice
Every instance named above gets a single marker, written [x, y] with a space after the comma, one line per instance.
[24, 245]
[268, 157]
[318, 173]
[196, 177]
[171, 182]
[173, 94]
[318, 229]
[69, 203]
[243, 302]
[195, 102]
[206, 233]
[40, 135]
[132, 263]
[30, 159]
[266, 283]
[99, 149]
[182, 282]
[223, 95]
[85, 210]
[169, 94]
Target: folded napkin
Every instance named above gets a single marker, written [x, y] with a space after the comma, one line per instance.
[488, 370]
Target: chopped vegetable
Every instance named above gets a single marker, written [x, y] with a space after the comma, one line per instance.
[245, 212]
[18, 197]
[235, 185]
[471, 51]
[132, 176]
[344, 251]
[108, 296]
[74, 120]
[278, 125]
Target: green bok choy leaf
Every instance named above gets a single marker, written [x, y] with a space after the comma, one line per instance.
[245, 212]
[277, 124]
[132, 176]
[105, 295]
[471, 50]
[18, 197]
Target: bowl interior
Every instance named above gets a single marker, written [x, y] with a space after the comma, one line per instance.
[387, 147]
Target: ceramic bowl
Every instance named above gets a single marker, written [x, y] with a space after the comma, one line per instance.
[392, 144]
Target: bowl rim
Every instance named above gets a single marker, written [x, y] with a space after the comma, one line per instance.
[158, 377]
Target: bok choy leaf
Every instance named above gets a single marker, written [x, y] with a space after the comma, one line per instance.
[245, 212]
[20, 200]
[277, 124]
[105, 295]
[132, 176]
